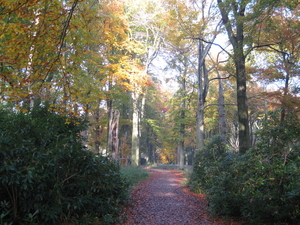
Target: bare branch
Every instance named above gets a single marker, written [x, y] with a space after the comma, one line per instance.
[63, 35]
[217, 105]
[216, 64]
[220, 78]
[268, 46]
[212, 43]
[15, 9]
[65, 28]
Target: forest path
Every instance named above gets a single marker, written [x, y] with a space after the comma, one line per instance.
[162, 200]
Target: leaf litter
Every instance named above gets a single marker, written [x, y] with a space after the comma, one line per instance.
[162, 200]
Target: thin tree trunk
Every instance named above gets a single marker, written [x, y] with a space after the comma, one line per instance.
[84, 133]
[135, 149]
[286, 85]
[221, 109]
[109, 132]
[182, 125]
[97, 129]
[200, 113]
[35, 100]
[202, 77]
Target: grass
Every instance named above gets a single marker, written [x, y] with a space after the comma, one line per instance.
[134, 174]
[166, 166]
[186, 169]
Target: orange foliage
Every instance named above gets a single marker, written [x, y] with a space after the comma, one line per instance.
[39, 59]
[167, 156]
[278, 100]
[30, 43]
[124, 151]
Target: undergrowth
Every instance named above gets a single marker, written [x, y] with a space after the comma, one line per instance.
[48, 177]
[262, 185]
[134, 175]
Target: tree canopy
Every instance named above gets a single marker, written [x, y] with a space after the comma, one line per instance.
[161, 64]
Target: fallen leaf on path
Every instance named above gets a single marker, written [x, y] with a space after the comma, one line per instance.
[161, 200]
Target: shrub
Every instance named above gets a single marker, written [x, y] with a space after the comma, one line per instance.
[260, 185]
[47, 175]
[205, 164]
[271, 185]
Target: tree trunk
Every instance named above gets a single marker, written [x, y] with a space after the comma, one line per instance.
[109, 132]
[202, 93]
[236, 37]
[135, 149]
[221, 109]
[114, 135]
[200, 106]
[85, 133]
[97, 129]
[244, 136]
[182, 125]
[286, 84]
[181, 150]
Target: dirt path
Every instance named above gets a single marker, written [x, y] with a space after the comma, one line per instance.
[161, 200]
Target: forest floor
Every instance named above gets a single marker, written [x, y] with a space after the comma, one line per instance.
[163, 200]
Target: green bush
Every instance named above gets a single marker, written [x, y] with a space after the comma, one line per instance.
[47, 175]
[261, 185]
[205, 164]
[272, 177]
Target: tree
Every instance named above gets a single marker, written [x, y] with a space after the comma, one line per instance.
[240, 19]
[146, 26]
[67, 53]
[236, 37]
[221, 108]
[181, 63]
[100, 46]
[282, 57]
[136, 81]
[193, 23]
[32, 43]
